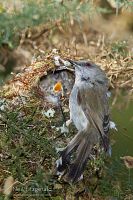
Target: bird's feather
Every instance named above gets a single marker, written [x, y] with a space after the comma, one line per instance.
[94, 103]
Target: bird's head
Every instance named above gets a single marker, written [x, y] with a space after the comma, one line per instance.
[86, 71]
[83, 69]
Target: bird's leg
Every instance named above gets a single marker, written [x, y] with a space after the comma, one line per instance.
[68, 122]
[63, 115]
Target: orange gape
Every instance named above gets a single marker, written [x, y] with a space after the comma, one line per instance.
[57, 87]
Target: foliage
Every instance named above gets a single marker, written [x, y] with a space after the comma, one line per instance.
[33, 13]
[27, 152]
[115, 182]
[120, 48]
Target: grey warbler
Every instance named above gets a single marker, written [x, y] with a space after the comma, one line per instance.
[89, 111]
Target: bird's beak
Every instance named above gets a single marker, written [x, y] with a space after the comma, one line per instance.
[74, 64]
[58, 88]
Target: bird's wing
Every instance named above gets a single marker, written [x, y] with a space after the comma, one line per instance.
[94, 102]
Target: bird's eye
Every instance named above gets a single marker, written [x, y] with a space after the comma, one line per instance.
[85, 78]
[88, 64]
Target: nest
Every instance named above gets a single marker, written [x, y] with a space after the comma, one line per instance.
[118, 69]
[21, 84]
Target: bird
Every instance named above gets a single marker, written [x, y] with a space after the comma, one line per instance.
[89, 111]
[58, 90]
[55, 85]
[55, 88]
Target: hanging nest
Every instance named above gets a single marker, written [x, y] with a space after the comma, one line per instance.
[118, 69]
[31, 127]
[21, 84]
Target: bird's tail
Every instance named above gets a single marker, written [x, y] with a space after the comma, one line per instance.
[75, 156]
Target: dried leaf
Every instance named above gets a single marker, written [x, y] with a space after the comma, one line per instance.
[128, 161]
[8, 186]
